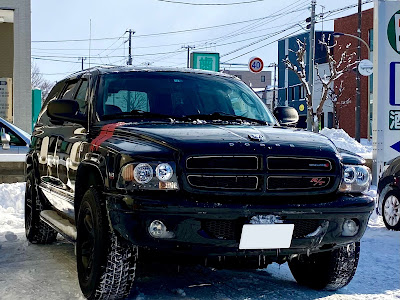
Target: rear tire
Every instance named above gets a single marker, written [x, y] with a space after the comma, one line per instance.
[36, 230]
[106, 263]
[329, 270]
[391, 210]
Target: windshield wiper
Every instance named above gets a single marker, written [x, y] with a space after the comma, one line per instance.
[224, 116]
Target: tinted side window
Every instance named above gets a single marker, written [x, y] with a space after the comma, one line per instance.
[69, 91]
[55, 91]
[81, 95]
[15, 140]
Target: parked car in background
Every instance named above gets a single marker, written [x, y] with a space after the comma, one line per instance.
[13, 139]
[389, 194]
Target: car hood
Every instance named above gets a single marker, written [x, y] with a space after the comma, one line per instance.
[230, 139]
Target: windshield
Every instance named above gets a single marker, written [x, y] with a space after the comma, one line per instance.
[177, 95]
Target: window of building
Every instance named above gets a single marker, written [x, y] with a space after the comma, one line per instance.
[262, 78]
[301, 92]
[371, 39]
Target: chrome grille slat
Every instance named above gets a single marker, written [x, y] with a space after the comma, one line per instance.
[224, 182]
[298, 182]
[223, 162]
[281, 163]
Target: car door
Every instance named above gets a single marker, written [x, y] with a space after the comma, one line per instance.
[60, 151]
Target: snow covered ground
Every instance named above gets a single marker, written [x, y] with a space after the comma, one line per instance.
[30, 271]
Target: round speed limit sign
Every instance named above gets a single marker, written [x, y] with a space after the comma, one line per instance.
[256, 64]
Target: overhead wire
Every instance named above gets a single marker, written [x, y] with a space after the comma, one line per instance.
[211, 4]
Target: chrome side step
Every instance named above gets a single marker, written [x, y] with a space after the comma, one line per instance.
[59, 224]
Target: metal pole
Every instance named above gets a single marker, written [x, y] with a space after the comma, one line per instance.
[188, 57]
[274, 93]
[311, 61]
[129, 62]
[358, 90]
[188, 54]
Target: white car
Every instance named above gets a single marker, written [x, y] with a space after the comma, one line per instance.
[13, 141]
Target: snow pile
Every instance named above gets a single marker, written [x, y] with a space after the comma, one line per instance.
[12, 197]
[342, 140]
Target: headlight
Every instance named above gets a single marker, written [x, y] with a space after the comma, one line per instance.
[143, 173]
[148, 176]
[164, 172]
[355, 179]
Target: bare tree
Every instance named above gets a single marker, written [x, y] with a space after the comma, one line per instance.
[39, 82]
[336, 70]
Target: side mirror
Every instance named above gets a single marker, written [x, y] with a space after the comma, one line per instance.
[5, 139]
[286, 115]
[65, 110]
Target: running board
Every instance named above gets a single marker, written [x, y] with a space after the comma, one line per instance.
[59, 224]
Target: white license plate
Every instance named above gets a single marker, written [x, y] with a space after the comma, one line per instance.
[266, 236]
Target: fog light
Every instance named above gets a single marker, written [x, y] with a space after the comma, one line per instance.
[350, 228]
[158, 230]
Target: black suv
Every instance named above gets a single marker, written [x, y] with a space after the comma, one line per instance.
[191, 163]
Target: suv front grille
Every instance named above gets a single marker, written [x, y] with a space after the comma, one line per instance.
[222, 163]
[260, 175]
[224, 182]
[232, 229]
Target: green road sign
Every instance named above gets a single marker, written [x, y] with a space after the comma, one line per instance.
[205, 61]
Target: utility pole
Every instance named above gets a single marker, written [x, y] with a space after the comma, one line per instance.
[274, 93]
[311, 54]
[131, 32]
[82, 59]
[188, 50]
[358, 90]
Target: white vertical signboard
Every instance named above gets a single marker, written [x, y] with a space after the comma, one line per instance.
[386, 117]
[6, 109]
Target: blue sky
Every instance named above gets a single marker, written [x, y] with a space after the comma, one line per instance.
[150, 19]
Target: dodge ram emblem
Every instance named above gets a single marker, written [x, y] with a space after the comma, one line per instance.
[256, 137]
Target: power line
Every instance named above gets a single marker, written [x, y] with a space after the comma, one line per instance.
[165, 33]
[211, 4]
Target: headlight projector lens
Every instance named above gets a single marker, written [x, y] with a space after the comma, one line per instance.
[349, 175]
[164, 172]
[143, 173]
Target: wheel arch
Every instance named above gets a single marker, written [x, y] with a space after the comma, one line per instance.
[88, 175]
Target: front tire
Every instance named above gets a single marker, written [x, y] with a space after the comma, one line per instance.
[106, 263]
[391, 210]
[329, 270]
[36, 230]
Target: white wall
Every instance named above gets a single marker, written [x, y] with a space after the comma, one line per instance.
[22, 62]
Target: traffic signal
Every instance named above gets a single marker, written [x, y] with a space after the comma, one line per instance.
[308, 21]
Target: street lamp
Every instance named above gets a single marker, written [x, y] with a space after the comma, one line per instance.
[338, 34]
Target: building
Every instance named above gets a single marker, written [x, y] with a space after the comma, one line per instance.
[290, 90]
[254, 80]
[346, 103]
[15, 62]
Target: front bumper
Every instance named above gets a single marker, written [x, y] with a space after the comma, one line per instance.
[131, 216]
